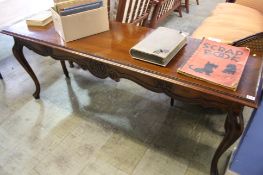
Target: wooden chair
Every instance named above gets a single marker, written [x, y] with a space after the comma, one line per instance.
[186, 5]
[162, 9]
[134, 11]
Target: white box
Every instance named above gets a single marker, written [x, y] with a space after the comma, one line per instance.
[79, 25]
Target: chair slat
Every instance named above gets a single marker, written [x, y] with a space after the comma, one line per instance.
[137, 7]
[133, 11]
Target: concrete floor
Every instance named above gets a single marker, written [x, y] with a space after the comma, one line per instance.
[87, 126]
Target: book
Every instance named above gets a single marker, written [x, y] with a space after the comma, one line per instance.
[83, 5]
[160, 46]
[217, 63]
[81, 8]
[40, 19]
[71, 3]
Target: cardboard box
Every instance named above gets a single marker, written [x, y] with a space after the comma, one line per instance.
[79, 25]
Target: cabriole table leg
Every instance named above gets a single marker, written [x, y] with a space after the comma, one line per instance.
[187, 6]
[234, 126]
[18, 53]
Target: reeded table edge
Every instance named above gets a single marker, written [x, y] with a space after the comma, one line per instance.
[155, 74]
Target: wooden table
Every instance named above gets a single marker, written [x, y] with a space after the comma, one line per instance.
[107, 55]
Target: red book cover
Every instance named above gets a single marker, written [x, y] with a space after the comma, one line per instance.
[217, 63]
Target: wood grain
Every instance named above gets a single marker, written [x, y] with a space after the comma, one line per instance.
[107, 55]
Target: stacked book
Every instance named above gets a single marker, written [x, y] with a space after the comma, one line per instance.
[70, 7]
[39, 19]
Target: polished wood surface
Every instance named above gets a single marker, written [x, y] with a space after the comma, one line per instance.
[107, 55]
[114, 45]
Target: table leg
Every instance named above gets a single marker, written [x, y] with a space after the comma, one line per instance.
[71, 64]
[187, 6]
[180, 11]
[18, 53]
[172, 102]
[65, 70]
[234, 126]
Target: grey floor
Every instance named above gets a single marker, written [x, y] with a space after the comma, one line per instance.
[87, 126]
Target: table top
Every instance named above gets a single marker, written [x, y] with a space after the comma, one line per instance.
[113, 48]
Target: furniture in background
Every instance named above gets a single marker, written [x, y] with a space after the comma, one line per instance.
[186, 5]
[231, 22]
[1, 77]
[162, 9]
[134, 11]
[151, 11]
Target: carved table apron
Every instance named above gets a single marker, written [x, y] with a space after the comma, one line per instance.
[107, 55]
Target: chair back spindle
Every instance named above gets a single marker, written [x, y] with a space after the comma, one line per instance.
[133, 11]
[162, 9]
